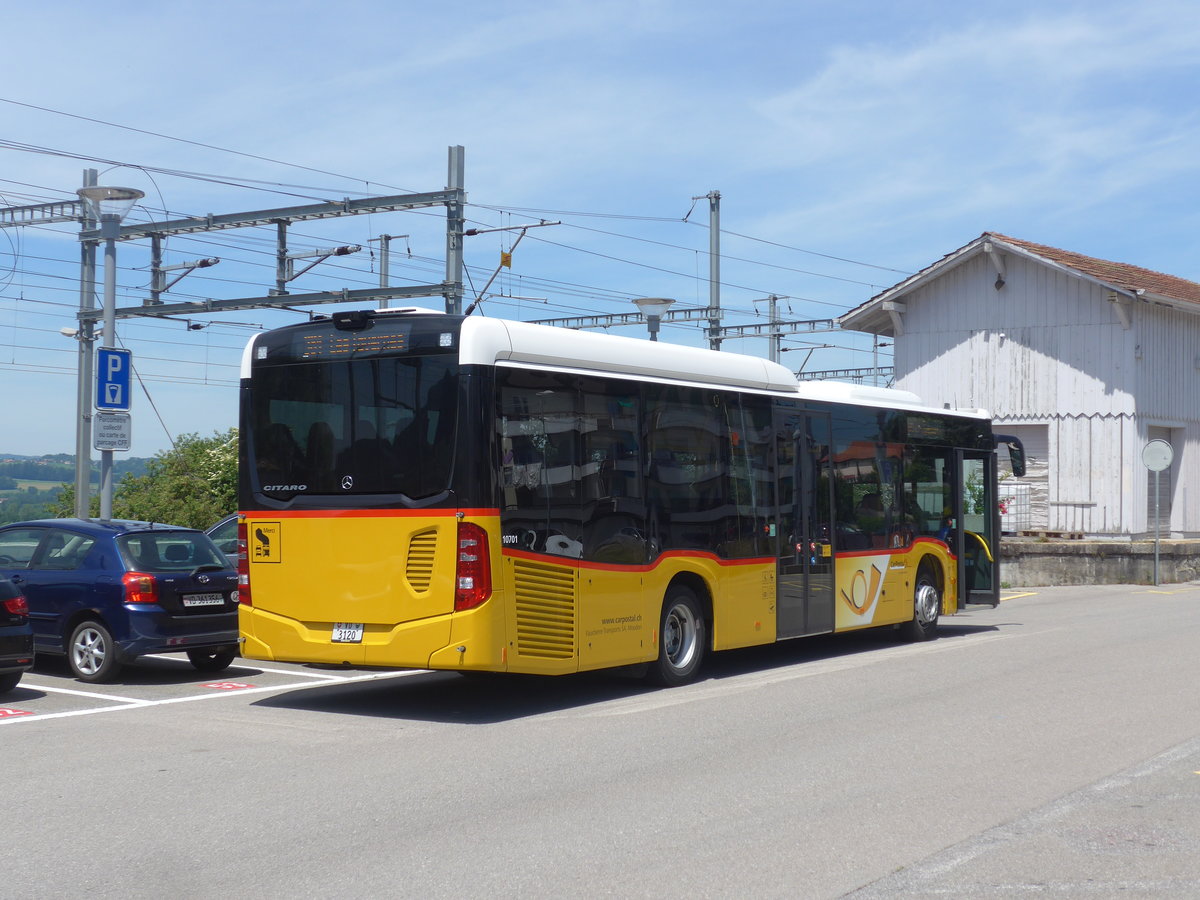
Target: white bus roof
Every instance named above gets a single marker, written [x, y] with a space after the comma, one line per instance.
[489, 341]
[497, 341]
[869, 395]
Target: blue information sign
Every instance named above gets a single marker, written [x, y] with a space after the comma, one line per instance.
[113, 378]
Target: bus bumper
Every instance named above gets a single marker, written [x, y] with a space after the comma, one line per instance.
[465, 640]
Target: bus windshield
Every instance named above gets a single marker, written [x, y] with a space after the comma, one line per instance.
[376, 425]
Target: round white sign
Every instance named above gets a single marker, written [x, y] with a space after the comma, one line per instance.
[1157, 456]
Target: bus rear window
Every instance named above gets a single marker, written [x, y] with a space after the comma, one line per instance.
[355, 426]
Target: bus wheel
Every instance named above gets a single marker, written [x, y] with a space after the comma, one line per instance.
[927, 606]
[681, 639]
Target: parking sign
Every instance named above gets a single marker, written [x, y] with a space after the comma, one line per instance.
[113, 370]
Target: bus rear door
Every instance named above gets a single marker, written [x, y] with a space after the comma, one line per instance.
[804, 602]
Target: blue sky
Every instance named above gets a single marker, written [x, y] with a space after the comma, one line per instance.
[852, 143]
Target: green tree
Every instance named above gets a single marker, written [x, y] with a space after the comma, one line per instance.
[63, 506]
[193, 484]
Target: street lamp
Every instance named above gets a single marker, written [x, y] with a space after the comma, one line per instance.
[108, 206]
[653, 308]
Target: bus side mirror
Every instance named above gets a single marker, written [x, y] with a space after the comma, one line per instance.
[1016, 452]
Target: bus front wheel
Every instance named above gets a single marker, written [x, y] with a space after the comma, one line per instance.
[681, 639]
[927, 606]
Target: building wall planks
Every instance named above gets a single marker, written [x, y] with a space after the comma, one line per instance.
[1050, 348]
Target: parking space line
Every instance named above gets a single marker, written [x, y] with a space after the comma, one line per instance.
[133, 701]
[329, 676]
[244, 663]
[1004, 597]
[143, 704]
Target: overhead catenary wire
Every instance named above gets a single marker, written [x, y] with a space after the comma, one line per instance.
[365, 182]
[252, 250]
[595, 292]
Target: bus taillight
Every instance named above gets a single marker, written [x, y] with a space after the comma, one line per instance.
[473, 569]
[243, 566]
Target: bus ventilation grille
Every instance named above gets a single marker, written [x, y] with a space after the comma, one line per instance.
[545, 610]
[418, 570]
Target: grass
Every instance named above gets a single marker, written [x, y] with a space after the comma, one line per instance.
[24, 484]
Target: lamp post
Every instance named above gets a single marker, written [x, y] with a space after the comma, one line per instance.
[108, 206]
[653, 308]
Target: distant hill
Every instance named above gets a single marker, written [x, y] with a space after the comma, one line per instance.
[29, 485]
[61, 467]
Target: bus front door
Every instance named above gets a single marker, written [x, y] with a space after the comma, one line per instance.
[976, 537]
[804, 600]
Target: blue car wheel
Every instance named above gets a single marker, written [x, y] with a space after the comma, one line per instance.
[92, 654]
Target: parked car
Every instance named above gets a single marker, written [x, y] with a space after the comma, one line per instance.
[224, 534]
[105, 593]
[16, 636]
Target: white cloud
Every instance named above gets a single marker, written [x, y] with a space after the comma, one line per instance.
[1046, 111]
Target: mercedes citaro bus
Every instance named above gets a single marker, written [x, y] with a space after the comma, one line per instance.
[466, 493]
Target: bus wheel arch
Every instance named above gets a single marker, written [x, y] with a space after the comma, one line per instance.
[928, 592]
[684, 625]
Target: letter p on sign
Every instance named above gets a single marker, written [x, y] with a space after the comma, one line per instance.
[113, 377]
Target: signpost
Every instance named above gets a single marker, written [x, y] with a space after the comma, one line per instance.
[1157, 456]
[111, 431]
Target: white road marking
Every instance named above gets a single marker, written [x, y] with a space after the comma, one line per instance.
[241, 663]
[138, 703]
[133, 701]
[326, 674]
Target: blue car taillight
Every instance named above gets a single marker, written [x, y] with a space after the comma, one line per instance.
[16, 606]
[140, 587]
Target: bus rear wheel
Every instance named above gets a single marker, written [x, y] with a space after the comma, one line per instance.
[681, 639]
[927, 606]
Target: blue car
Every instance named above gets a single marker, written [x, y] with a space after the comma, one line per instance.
[16, 636]
[225, 535]
[105, 593]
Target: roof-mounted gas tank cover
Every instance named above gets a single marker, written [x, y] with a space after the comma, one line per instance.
[352, 320]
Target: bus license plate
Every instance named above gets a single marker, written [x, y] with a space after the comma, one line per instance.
[203, 599]
[347, 632]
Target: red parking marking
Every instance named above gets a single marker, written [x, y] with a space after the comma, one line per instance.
[228, 685]
[9, 713]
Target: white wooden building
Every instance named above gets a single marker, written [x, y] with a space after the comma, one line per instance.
[1085, 360]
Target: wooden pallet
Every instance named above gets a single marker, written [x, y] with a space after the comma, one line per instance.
[1055, 535]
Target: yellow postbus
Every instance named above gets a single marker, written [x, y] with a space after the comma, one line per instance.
[432, 491]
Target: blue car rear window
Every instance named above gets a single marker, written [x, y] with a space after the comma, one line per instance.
[168, 551]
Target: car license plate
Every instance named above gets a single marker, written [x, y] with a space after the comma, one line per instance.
[347, 632]
[203, 599]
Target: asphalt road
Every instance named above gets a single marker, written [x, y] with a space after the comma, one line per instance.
[1050, 746]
